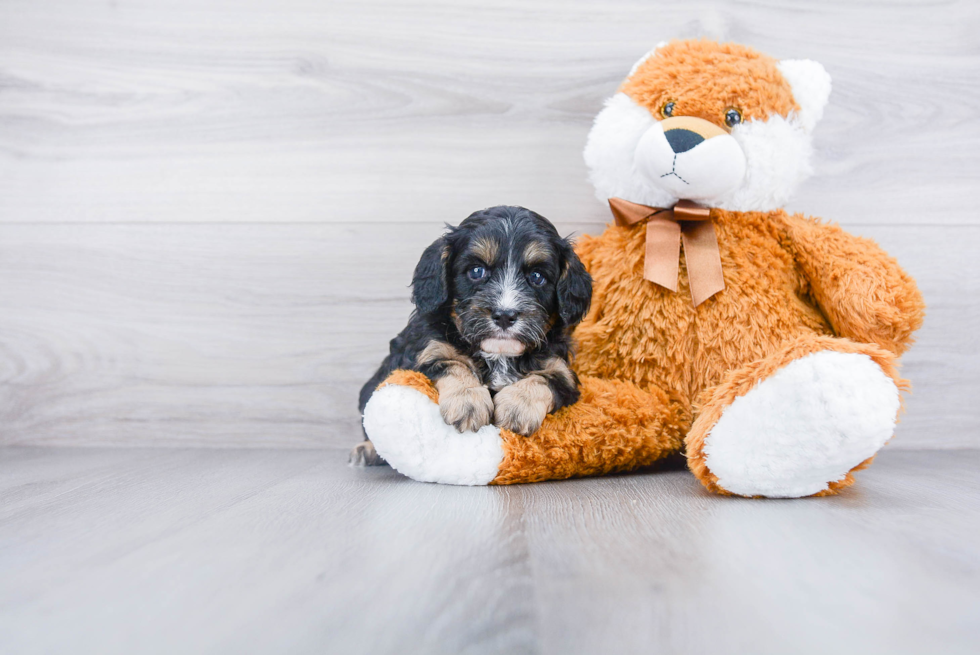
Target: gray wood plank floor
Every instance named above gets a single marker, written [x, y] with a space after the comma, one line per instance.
[209, 213]
[207, 551]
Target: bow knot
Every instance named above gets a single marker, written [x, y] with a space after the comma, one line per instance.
[666, 228]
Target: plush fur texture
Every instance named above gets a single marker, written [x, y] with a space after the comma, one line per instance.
[615, 427]
[404, 421]
[773, 295]
[798, 422]
[786, 378]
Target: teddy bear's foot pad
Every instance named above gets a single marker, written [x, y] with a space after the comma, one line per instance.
[804, 427]
[409, 433]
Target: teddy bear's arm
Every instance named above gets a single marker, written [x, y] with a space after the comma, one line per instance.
[858, 286]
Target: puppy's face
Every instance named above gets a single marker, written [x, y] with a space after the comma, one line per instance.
[509, 279]
[505, 275]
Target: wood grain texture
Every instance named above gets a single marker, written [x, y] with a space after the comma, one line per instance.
[261, 335]
[206, 551]
[209, 211]
[283, 111]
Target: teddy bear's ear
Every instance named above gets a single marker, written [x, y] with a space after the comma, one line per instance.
[644, 58]
[811, 88]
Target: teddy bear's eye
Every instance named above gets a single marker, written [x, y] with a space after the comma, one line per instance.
[733, 117]
[667, 110]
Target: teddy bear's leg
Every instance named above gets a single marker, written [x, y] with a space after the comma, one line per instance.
[403, 422]
[797, 423]
[614, 427]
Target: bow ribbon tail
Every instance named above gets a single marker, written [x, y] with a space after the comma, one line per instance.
[665, 230]
[663, 250]
[703, 260]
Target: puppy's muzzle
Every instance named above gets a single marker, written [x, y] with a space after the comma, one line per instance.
[504, 318]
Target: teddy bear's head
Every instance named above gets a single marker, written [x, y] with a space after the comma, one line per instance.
[716, 123]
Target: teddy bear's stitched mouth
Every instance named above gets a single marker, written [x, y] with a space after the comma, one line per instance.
[673, 171]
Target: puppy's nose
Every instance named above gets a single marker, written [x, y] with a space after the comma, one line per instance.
[682, 140]
[504, 317]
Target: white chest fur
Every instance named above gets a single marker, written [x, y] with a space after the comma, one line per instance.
[502, 372]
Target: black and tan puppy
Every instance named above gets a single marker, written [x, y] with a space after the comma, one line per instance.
[495, 300]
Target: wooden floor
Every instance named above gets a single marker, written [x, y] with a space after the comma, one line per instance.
[289, 551]
[209, 216]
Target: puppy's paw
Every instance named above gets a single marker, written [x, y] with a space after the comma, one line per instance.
[522, 406]
[364, 454]
[467, 410]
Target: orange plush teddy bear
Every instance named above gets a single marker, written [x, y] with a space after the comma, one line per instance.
[765, 348]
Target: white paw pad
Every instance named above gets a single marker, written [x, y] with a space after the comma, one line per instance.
[805, 426]
[408, 431]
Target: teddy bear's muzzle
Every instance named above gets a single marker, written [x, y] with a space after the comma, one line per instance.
[684, 133]
[682, 140]
[691, 158]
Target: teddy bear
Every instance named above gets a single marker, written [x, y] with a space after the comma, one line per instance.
[762, 345]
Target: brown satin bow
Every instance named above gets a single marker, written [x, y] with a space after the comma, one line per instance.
[665, 230]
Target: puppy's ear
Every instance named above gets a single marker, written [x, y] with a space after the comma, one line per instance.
[430, 283]
[574, 286]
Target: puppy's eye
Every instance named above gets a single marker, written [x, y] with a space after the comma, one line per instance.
[733, 117]
[536, 279]
[476, 273]
[667, 110]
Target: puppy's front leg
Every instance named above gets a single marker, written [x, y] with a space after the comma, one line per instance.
[463, 400]
[464, 403]
[522, 406]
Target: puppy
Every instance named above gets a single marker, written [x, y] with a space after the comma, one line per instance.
[496, 299]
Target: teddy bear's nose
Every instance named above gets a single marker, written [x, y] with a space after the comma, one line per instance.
[682, 140]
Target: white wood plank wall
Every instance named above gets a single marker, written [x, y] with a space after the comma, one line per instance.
[209, 211]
